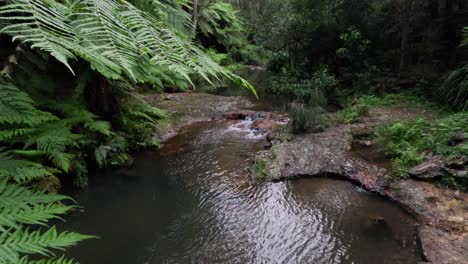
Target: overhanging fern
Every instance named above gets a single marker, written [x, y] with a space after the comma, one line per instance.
[20, 207]
[117, 39]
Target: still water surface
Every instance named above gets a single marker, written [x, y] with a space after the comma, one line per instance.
[193, 202]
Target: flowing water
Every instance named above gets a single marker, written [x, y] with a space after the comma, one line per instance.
[193, 202]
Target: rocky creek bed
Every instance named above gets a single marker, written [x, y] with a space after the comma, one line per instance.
[442, 213]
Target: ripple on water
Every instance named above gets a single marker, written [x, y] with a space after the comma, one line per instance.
[199, 206]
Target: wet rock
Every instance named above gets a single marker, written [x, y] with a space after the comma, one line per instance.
[263, 122]
[457, 163]
[364, 143]
[234, 116]
[463, 173]
[430, 169]
[187, 108]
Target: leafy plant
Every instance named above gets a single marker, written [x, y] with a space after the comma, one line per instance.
[407, 141]
[20, 208]
[454, 89]
[117, 39]
[306, 119]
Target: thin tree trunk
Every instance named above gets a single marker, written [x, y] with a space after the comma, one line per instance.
[194, 16]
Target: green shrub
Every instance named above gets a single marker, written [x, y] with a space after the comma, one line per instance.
[260, 167]
[309, 91]
[306, 119]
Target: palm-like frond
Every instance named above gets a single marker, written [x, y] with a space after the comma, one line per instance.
[17, 108]
[35, 242]
[61, 260]
[117, 39]
[19, 207]
[21, 170]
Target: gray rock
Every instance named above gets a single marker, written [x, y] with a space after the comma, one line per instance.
[457, 162]
[457, 138]
[430, 169]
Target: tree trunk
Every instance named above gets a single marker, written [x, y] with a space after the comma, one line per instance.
[403, 47]
[194, 17]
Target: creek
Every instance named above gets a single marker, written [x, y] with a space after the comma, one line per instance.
[194, 202]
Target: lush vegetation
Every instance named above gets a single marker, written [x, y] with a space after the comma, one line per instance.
[360, 54]
[406, 141]
[72, 73]
[71, 76]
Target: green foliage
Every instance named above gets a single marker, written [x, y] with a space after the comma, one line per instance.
[354, 46]
[20, 207]
[172, 13]
[454, 89]
[260, 167]
[117, 39]
[306, 119]
[407, 141]
[221, 21]
[351, 114]
[17, 108]
[47, 141]
[358, 105]
[20, 170]
[309, 90]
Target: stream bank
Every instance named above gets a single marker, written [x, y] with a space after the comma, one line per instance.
[442, 213]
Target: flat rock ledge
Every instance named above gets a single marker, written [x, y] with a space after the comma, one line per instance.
[187, 108]
[442, 213]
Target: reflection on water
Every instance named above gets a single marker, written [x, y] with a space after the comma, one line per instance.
[196, 204]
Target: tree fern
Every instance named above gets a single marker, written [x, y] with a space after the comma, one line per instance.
[116, 38]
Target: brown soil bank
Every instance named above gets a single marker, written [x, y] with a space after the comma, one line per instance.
[443, 213]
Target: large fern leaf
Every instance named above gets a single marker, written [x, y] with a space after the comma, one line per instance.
[61, 260]
[21, 207]
[21, 170]
[35, 242]
[43, 25]
[117, 39]
[17, 108]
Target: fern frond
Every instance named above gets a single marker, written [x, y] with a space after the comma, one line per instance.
[101, 127]
[21, 170]
[17, 107]
[8, 134]
[53, 137]
[37, 214]
[61, 159]
[61, 260]
[35, 242]
[117, 39]
[14, 196]
[43, 25]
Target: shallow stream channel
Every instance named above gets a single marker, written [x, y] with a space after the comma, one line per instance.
[193, 201]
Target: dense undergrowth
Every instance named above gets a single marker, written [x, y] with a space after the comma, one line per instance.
[73, 71]
[71, 77]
